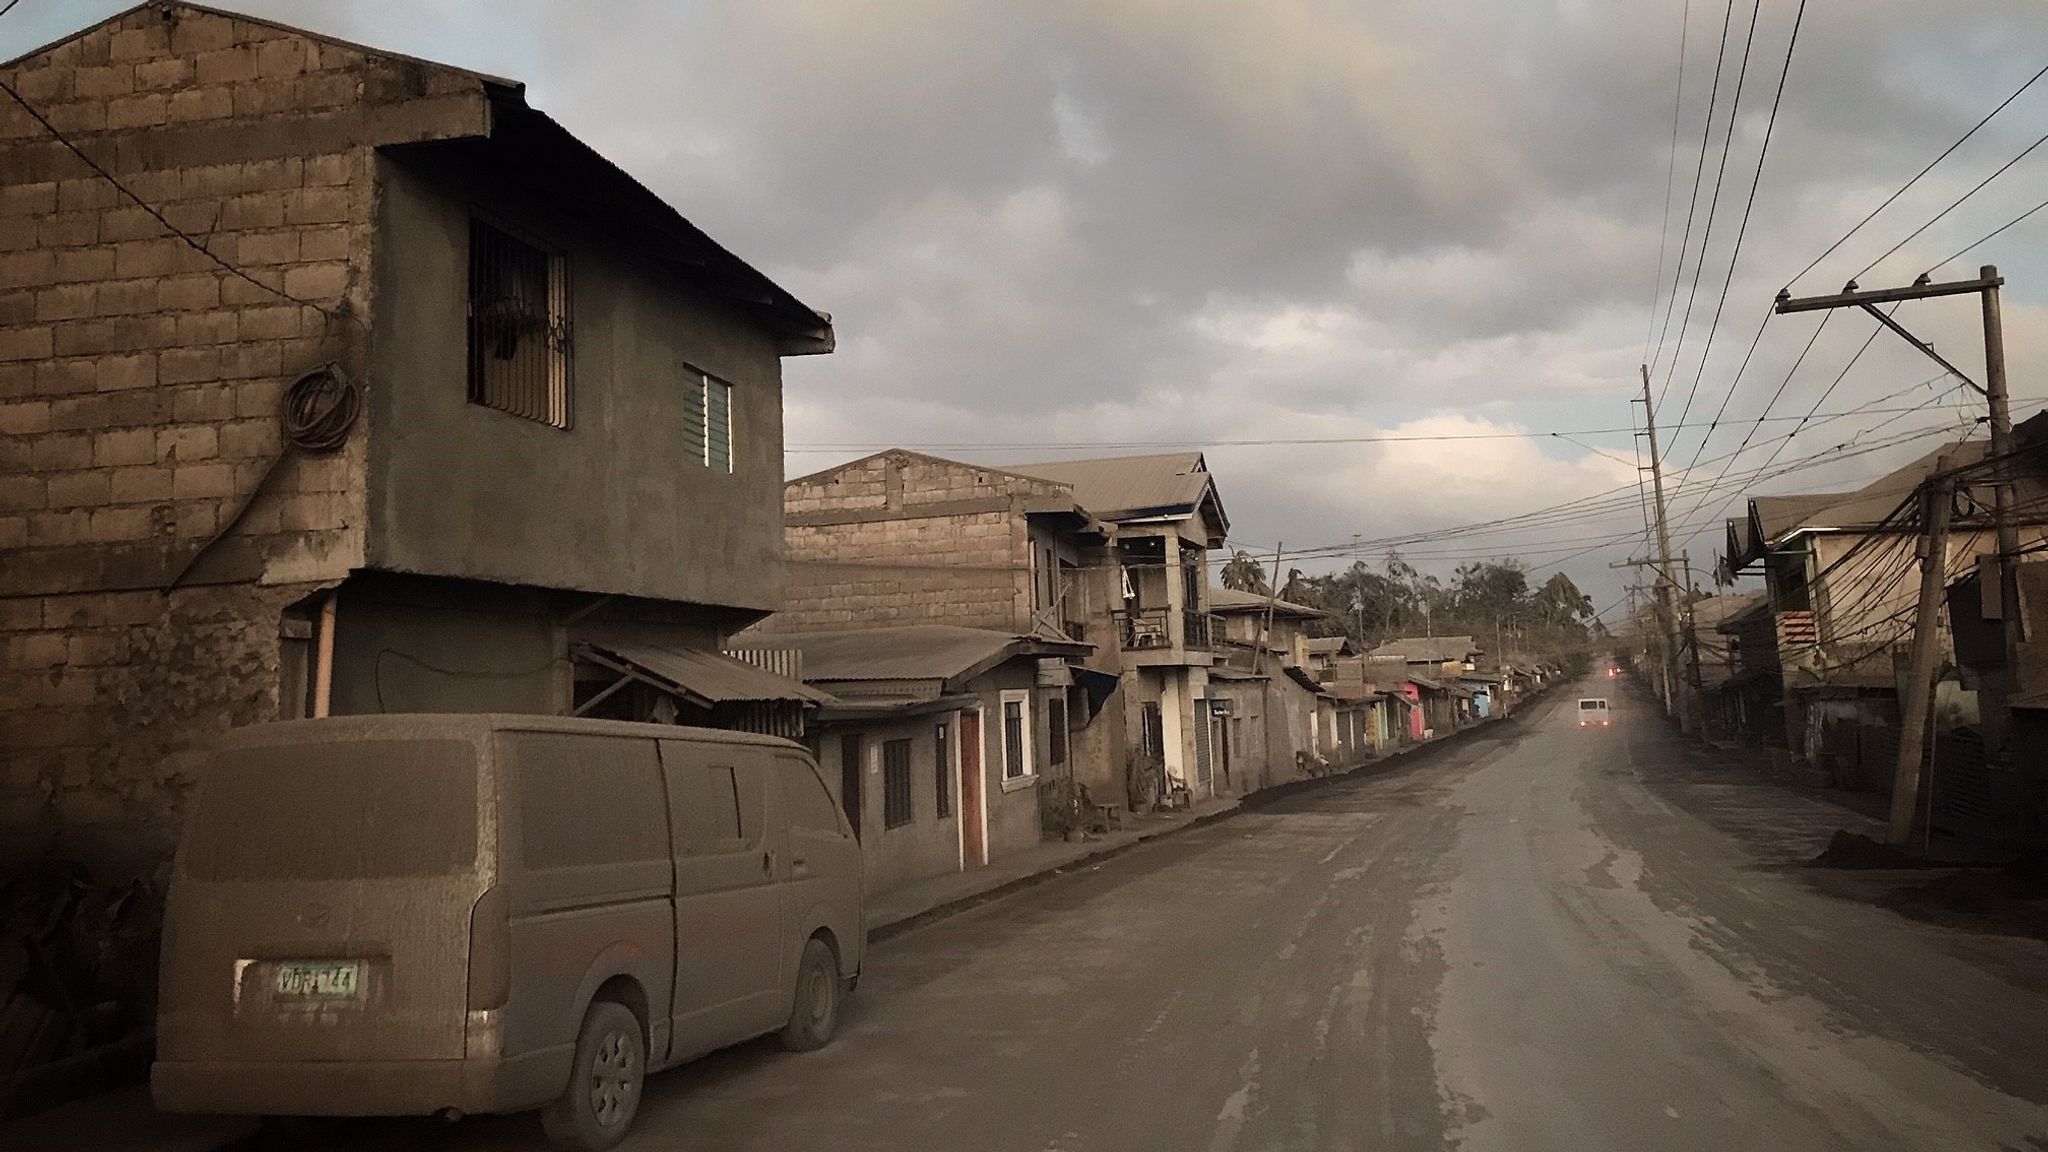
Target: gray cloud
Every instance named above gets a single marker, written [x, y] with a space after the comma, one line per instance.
[1078, 220]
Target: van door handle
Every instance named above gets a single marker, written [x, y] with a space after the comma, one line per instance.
[768, 862]
[798, 859]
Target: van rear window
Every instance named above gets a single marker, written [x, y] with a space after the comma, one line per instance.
[348, 810]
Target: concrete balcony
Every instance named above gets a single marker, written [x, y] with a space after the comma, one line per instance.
[1164, 636]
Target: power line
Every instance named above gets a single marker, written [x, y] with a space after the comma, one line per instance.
[1699, 171]
[2024, 153]
[1670, 181]
[1277, 441]
[1988, 235]
[146, 206]
[1608, 503]
[1605, 503]
[1757, 424]
[1735, 255]
[1960, 141]
[1714, 204]
[1830, 390]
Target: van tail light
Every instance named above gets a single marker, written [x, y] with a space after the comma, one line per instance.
[490, 950]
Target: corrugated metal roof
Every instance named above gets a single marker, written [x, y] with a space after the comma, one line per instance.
[1327, 645]
[1869, 505]
[1777, 517]
[1438, 648]
[1733, 621]
[1231, 600]
[911, 652]
[1127, 487]
[617, 198]
[707, 676]
[1300, 676]
[1773, 516]
[1355, 693]
[1712, 610]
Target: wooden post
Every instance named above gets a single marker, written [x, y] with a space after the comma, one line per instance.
[1917, 706]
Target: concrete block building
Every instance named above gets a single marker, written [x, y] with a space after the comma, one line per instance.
[333, 380]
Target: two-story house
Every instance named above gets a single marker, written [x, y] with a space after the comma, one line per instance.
[334, 381]
[1154, 586]
[1840, 577]
[1271, 721]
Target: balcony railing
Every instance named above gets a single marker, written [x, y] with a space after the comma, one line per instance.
[1144, 629]
[1151, 628]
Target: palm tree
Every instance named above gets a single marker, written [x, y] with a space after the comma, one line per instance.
[1244, 574]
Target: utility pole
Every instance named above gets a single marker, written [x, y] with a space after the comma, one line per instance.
[1667, 660]
[1266, 624]
[1692, 633]
[2007, 533]
[1986, 287]
[1936, 498]
[1664, 581]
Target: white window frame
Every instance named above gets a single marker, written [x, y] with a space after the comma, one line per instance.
[1022, 697]
[702, 449]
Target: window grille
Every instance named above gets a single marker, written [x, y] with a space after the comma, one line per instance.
[518, 326]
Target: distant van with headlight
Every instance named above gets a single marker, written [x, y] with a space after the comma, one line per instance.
[1593, 712]
[443, 914]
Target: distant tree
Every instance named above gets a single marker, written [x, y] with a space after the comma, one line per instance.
[1560, 604]
[1244, 574]
[1292, 590]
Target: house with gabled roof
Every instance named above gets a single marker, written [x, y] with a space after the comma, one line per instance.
[946, 746]
[1168, 517]
[1840, 575]
[333, 381]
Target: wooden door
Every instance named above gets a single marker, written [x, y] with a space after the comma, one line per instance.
[973, 812]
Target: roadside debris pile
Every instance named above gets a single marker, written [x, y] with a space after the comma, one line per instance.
[1855, 850]
[77, 984]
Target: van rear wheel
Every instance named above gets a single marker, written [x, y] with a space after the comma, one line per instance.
[815, 1015]
[604, 1082]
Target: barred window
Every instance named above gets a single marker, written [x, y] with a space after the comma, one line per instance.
[942, 766]
[895, 783]
[707, 420]
[518, 326]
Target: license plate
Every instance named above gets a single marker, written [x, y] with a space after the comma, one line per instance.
[320, 980]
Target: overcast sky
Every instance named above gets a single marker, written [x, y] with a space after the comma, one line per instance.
[1137, 221]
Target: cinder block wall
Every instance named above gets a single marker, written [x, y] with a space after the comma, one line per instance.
[906, 539]
[140, 388]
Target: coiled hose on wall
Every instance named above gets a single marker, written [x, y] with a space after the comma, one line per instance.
[319, 409]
